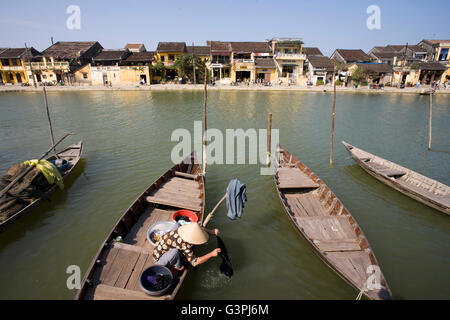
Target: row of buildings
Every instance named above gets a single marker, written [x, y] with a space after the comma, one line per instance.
[278, 60]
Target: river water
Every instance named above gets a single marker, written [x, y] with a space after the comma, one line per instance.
[127, 145]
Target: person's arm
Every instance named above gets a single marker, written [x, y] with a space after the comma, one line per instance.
[206, 257]
[214, 232]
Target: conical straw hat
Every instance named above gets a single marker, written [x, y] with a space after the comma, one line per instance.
[192, 233]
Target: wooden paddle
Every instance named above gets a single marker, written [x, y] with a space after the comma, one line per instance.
[9, 186]
[211, 214]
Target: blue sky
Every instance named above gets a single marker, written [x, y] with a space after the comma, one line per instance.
[321, 23]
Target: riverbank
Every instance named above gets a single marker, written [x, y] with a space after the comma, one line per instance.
[168, 87]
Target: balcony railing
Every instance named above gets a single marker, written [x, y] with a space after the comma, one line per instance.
[244, 60]
[281, 55]
[12, 68]
[50, 66]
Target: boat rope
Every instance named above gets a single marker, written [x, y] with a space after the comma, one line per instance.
[360, 294]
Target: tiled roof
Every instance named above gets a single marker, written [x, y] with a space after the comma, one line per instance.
[385, 55]
[412, 47]
[258, 47]
[312, 51]
[382, 49]
[147, 56]
[112, 55]
[133, 45]
[14, 53]
[376, 67]
[68, 49]
[353, 55]
[219, 46]
[171, 47]
[446, 42]
[321, 62]
[200, 50]
[264, 63]
[432, 66]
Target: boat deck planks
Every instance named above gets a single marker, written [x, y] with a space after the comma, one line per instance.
[117, 267]
[419, 187]
[321, 218]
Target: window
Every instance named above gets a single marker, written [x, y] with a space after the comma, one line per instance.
[5, 62]
[14, 62]
[287, 71]
[85, 75]
[162, 58]
[443, 54]
[44, 76]
[171, 57]
[11, 77]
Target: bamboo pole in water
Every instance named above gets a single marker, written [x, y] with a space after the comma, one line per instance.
[430, 121]
[205, 93]
[49, 121]
[333, 113]
[193, 60]
[269, 137]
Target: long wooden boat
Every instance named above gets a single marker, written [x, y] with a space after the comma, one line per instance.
[115, 270]
[413, 184]
[328, 227]
[73, 155]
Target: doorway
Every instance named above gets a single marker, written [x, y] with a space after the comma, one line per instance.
[143, 79]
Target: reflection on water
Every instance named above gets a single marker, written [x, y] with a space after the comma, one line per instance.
[127, 145]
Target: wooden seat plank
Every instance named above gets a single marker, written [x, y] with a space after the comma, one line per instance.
[174, 203]
[294, 178]
[337, 245]
[105, 292]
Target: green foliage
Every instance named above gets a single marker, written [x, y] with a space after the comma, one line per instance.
[319, 83]
[185, 67]
[359, 76]
[388, 84]
[414, 65]
[339, 82]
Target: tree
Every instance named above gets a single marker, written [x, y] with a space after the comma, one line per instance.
[359, 76]
[184, 65]
[158, 68]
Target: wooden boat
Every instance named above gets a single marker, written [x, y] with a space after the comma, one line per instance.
[328, 227]
[115, 270]
[413, 184]
[72, 154]
[426, 92]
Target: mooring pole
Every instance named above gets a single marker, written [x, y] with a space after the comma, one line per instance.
[193, 60]
[269, 136]
[333, 114]
[205, 98]
[49, 121]
[430, 121]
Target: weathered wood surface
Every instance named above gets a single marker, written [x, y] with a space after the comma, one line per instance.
[419, 187]
[321, 218]
[115, 270]
[73, 155]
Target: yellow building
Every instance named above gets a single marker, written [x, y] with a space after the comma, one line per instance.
[243, 61]
[136, 68]
[82, 75]
[167, 53]
[289, 59]
[439, 51]
[62, 58]
[14, 65]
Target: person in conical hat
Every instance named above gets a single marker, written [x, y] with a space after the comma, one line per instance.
[176, 245]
